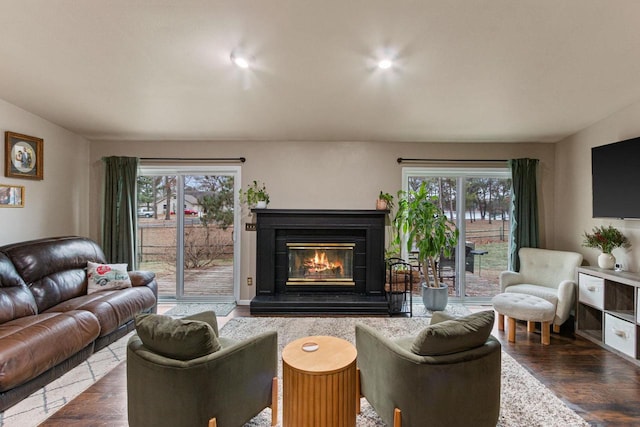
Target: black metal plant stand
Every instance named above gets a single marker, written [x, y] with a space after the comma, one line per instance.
[399, 286]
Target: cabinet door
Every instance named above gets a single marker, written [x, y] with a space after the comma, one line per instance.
[620, 335]
[591, 290]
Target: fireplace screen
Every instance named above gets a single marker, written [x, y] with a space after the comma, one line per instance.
[320, 264]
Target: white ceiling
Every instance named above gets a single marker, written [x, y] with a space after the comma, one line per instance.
[466, 70]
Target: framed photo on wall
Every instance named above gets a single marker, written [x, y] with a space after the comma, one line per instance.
[23, 156]
[11, 196]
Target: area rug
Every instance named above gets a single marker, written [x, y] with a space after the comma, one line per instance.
[184, 309]
[43, 403]
[524, 401]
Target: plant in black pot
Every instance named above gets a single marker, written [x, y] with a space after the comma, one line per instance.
[429, 232]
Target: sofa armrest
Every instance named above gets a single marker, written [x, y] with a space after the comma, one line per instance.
[508, 278]
[141, 277]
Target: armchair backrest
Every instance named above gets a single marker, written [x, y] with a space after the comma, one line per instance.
[546, 267]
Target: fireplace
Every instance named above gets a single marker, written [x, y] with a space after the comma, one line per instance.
[319, 261]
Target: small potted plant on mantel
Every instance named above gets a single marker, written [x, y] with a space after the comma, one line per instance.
[255, 196]
[384, 202]
[428, 231]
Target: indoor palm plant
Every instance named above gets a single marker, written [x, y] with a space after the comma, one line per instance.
[429, 232]
[606, 239]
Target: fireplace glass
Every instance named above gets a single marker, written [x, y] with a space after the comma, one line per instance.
[320, 264]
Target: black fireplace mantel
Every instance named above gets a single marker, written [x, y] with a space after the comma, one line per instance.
[276, 227]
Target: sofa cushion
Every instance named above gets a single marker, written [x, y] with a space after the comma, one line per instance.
[32, 345]
[176, 338]
[454, 335]
[15, 298]
[102, 277]
[112, 308]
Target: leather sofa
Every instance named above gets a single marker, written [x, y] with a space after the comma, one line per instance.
[48, 322]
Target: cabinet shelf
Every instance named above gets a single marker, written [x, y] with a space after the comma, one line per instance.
[628, 315]
[607, 310]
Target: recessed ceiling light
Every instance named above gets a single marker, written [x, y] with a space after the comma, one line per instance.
[239, 60]
[385, 64]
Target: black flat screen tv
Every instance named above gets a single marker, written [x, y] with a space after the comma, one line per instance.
[615, 175]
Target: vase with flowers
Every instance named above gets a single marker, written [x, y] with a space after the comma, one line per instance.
[606, 239]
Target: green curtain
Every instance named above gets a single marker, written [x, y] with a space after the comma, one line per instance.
[119, 216]
[524, 208]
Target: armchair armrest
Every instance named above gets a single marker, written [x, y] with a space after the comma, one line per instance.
[508, 278]
[566, 297]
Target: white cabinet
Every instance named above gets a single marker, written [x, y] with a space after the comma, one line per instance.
[608, 309]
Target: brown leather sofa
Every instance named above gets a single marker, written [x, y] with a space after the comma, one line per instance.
[48, 322]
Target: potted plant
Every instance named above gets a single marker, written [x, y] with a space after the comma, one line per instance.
[430, 233]
[255, 196]
[606, 239]
[385, 201]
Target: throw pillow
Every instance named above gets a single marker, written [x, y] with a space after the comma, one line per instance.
[102, 277]
[454, 335]
[176, 338]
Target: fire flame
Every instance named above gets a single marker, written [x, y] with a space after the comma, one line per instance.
[320, 263]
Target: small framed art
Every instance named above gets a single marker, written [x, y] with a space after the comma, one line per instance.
[11, 196]
[23, 156]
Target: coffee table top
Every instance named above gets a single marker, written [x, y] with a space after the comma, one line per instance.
[319, 354]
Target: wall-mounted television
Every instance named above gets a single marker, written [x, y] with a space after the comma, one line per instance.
[615, 175]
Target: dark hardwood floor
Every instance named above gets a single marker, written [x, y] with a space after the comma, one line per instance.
[600, 386]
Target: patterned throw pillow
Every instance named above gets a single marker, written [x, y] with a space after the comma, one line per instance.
[102, 277]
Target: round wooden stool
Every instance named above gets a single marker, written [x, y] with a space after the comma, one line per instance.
[319, 383]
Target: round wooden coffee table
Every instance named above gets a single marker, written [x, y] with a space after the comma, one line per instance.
[319, 382]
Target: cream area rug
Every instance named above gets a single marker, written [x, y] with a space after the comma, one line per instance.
[184, 309]
[524, 401]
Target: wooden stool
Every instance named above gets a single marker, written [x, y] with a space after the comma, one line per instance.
[319, 383]
[524, 307]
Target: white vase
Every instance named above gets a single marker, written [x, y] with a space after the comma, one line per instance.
[606, 261]
[261, 204]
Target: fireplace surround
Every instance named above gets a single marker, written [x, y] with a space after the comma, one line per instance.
[319, 262]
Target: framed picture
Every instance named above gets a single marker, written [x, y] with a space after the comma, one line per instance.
[23, 156]
[11, 196]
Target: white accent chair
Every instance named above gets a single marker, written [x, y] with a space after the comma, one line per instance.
[547, 274]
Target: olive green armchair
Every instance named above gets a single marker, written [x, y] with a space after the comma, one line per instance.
[447, 375]
[180, 372]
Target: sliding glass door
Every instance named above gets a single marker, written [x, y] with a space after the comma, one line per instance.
[478, 201]
[186, 234]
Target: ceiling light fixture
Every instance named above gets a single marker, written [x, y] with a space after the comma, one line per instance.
[239, 60]
[385, 64]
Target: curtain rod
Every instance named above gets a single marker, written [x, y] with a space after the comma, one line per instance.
[197, 159]
[405, 160]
